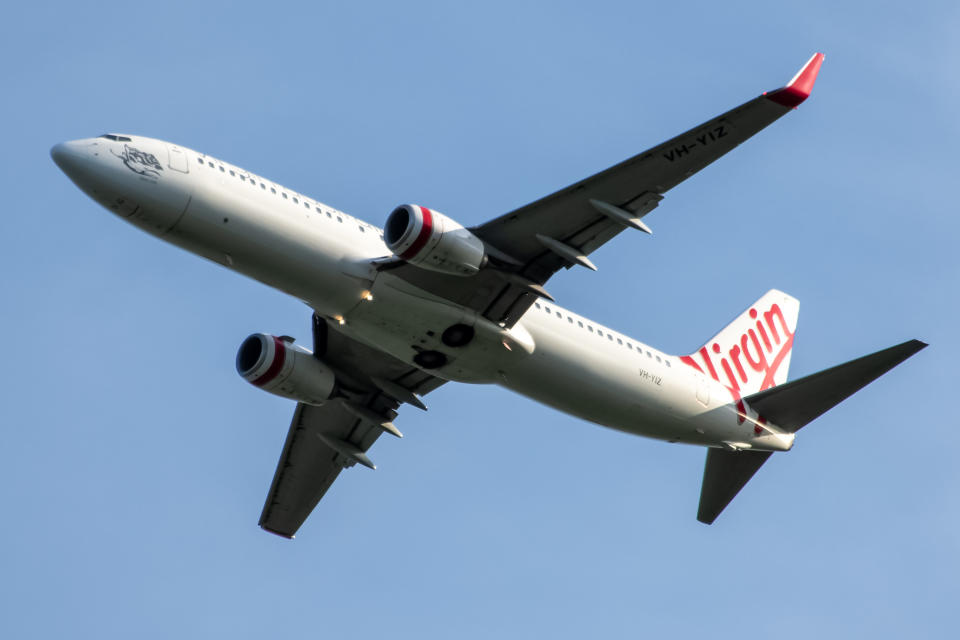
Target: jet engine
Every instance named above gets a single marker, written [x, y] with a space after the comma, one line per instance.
[433, 241]
[278, 366]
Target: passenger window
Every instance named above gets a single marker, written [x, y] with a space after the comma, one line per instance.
[222, 169]
[580, 322]
[649, 355]
[200, 160]
[668, 363]
[599, 333]
[232, 173]
[658, 358]
[362, 230]
[339, 219]
[590, 328]
[263, 186]
[306, 205]
[619, 341]
[284, 196]
[273, 191]
[559, 315]
[629, 346]
[609, 337]
[536, 304]
[210, 163]
[569, 319]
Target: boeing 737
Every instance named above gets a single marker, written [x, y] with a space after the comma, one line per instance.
[399, 311]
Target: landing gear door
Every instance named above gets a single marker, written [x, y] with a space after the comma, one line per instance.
[177, 159]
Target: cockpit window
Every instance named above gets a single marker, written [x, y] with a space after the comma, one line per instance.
[110, 136]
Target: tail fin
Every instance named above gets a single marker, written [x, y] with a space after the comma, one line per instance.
[790, 407]
[752, 353]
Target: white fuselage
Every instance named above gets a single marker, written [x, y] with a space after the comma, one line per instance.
[327, 259]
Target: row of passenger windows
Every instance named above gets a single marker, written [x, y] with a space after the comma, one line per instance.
[296, 198]
[600, 332]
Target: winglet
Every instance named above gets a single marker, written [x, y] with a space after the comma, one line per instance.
[799, 88]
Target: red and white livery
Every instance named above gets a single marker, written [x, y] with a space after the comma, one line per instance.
[400, 311]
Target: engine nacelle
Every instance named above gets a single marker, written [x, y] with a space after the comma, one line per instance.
[284, 369]
[433, 241]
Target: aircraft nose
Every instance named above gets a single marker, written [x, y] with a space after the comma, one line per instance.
[69, 156]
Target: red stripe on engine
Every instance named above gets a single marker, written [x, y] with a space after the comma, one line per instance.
[422, 238]
[279, 355]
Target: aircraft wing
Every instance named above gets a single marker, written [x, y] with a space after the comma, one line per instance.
[530, 244]
[323, 440]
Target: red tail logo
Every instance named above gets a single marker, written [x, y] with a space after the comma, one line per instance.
[759, 352]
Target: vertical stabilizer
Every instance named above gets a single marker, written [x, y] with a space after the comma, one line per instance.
[752, 353]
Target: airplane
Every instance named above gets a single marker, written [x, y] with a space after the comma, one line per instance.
[399, 311]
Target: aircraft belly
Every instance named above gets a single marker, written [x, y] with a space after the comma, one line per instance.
[597, 384]
[405, 321]
[571, 377]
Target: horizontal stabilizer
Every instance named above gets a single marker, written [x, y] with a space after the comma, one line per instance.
[723, 476]
[792, 405]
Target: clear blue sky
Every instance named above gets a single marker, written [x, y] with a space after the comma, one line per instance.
[134, 461]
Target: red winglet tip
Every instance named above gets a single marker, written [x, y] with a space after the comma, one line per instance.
[800, 87]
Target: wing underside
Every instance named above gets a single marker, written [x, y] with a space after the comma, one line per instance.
[306, 470]
[530, 244]
[323, 440]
